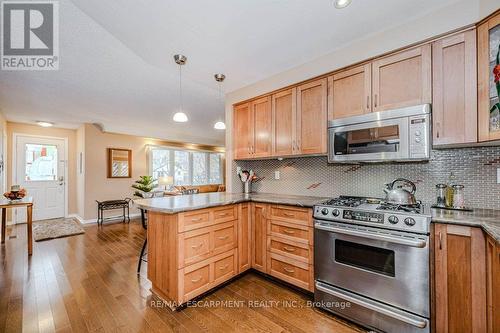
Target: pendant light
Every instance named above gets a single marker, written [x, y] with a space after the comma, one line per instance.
[180, 116]
[220, 78]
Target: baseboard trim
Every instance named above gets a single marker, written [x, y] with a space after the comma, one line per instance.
[91, 221]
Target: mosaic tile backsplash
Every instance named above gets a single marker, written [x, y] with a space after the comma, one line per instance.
[475, 168]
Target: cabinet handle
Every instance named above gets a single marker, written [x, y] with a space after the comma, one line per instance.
[288, 231]
[289, 215]
[367, 102]
[223, 237]
[197, 246]
[288, 270]
[293, 145]
[440, 241]
[196, 219]
[438, 126]
[288, 249]
[222, 214]
[376, 100]
[224, 267]
[197, 280]
[248, 149]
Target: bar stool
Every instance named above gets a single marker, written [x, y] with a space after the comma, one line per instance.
[142, 256]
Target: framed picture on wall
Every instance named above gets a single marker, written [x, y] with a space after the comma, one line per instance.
[119, 163]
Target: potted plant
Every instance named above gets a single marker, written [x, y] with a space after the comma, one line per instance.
[144, 186]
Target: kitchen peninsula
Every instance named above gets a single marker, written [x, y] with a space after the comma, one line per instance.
[196, 242]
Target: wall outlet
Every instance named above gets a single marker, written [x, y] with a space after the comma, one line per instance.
[238, 170]
[498, 175]
[277, 174]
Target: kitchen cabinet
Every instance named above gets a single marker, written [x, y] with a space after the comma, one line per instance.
[244, 239]
[460, 279]
[261, 120]
[488, 36]
[312, 117]
[349, 92]
[285, 122]
[454, 100]
[493, 285]
[258, 236]
[402, 79]
[242, 131]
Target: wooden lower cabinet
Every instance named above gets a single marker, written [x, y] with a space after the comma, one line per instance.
[258, 236]
[460, 279]
[244, 239]
[493, 285]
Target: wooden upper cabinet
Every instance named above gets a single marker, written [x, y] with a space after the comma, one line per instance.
[454, 100]
[488, 35]
[349, 92]
[312, 117]
[242, 131]
[284, 122]
[460, 279]
[261, 113]
[402, 79]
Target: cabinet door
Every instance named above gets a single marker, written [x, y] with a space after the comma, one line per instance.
[460, 279]
[493, 284]
[349, 92]
[284, 122]
[244, 240]
[402, 79]
[259, 234]
[488, 37]
[262, 127]
[311, 117]
[454, 100]
[242, 131]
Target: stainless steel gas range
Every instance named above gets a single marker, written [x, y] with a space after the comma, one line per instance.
[374, 257]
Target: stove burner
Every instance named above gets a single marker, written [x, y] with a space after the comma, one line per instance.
[416, 208]
[346, 201]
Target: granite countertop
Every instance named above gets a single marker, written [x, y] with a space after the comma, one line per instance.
[183, 203]
[488, 219]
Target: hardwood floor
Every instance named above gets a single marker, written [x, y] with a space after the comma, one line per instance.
[87, 283]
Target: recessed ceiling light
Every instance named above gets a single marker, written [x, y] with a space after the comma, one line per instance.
[341, 3]
[220, 125]
[180, 117]
[44, 124]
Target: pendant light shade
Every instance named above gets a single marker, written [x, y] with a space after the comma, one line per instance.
[180, 116]
[220, 78]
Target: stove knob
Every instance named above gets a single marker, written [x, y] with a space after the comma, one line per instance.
[409, 221]
[393, 219]
[324, 211]
[336, 212]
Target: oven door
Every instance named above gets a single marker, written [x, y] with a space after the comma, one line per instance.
[374, 141]
[388, 266]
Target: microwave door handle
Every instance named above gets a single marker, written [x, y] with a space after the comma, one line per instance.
[386, 238]
[417, 322]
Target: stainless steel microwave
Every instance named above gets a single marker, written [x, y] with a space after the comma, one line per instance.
[394, 135]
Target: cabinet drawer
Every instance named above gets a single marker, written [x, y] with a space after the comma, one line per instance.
[291, 271]
[290, 231]
[292, 214]
[227, 213]
[194, 220]
[197, 279]
[224, 239]
[293, 250]
[196, 247]
[224, 267]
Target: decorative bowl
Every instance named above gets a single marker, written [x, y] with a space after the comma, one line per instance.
[15, 195]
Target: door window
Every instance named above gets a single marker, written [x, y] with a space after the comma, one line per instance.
[366, 257]
[40, 162]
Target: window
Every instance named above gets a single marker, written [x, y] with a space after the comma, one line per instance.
[187, 167]
[41, 162]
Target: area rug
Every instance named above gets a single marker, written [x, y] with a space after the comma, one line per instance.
[56, 228]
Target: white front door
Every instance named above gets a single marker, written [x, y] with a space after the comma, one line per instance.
[40, 168]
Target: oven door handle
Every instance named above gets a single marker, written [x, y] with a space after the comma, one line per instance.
[417, 322]
[397, 240]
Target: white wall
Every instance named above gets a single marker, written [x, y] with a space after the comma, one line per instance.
[458, 15]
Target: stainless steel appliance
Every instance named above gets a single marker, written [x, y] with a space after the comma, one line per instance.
[393, 135]
[373, 256]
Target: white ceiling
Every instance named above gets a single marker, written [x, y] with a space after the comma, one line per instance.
[117, 65]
